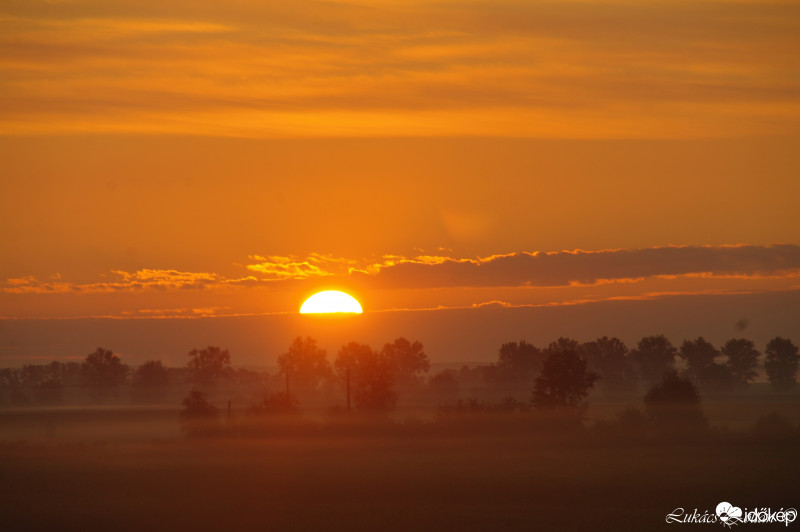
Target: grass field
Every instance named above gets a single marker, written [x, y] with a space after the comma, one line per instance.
[367, 476]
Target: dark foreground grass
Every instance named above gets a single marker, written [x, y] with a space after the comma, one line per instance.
[393, 481]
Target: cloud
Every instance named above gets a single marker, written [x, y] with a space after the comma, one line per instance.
[523, 269]
[315, 265]
[140, 280]
[183, 312]
[592, 267]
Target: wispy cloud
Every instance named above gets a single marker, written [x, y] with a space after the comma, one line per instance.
[140, 280]
[315, 265]
[182, 312]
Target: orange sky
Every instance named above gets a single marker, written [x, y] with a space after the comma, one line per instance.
[176, 158]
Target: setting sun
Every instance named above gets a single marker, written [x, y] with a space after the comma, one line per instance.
[330, 301]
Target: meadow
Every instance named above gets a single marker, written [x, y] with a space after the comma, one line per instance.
[131, 468]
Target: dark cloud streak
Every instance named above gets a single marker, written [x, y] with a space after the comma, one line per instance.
[588, 267]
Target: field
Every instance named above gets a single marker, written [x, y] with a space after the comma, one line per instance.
[131, 469]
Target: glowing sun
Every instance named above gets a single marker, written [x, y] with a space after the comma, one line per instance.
[330, 301]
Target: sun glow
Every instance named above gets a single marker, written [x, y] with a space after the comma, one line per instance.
[330, 301]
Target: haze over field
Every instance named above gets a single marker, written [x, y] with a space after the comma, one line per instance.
[572, 227]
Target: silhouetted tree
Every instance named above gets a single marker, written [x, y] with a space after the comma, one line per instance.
[408, 361]
[700, 358]
[654, 355]
[207, 366]
[306, 364]
[198, 417]
[33, 374]
[610, 358]
[674, 404]
[50, 391]
[518, 363]
[151, 374]
[562, 345]
[102, 373]
[781, 363]
[44, 381]
[742, 360]
[150, 381]
[11, 386]
[371, 377]
[564, 381]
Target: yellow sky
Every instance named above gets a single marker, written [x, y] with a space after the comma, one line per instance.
[195, 158]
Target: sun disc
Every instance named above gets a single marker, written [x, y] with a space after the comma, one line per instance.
[330, 301]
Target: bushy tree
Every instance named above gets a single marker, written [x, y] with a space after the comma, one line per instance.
[518, 362]
[609, 357]
[565, 380]
[11, 387]
[674, 404]
[208, 366]
[306, 364]
[701, 363]
[199, 417]
[150, 381]
[370, 375]
[45, 381]
[654, 355]
[151, 374]
[781, 363]
[561, 345]
[742, 360]
[102, 373]
[408, 361]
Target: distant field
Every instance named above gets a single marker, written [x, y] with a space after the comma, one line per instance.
[373, 477]
[122, 423]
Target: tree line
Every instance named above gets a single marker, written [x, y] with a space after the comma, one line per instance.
[618, 367]
[560, 374]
